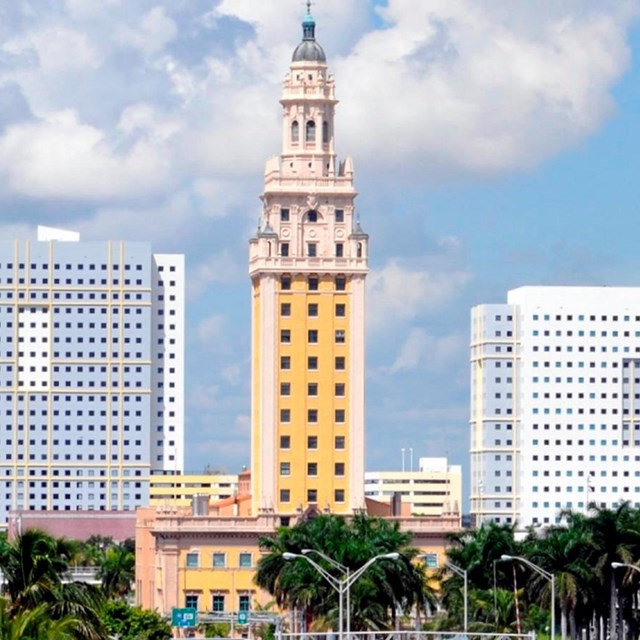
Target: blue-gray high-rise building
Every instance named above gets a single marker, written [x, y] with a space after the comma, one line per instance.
[91, 372]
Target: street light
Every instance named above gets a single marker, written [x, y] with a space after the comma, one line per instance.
[620, 565]
[545, 574]
[341, 586]
[463, 574]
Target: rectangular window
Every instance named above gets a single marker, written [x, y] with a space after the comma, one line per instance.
[285, 388]
[244, 603]
[285, 283]
[285, 468]
[284, 249]
[312, 249]
[193, 559]
[217, 603]
[339, 495]
[312, 363]
[285, 362]
[430, 560]
[312, 495]
[312, 468]
[339, 389]
[312, 310]
[340, 363]
[339, 468]
[341, 310]
[340, 442]
[313, 336]
[284, 215]
[340, 336]
[339, 215]
[341, 283]
[339, 415]
[191, 601]
[312, 389]
[312, 442]
[219, 560]
[285, 495]
[312, 415]
[285, 442]
[285, 309]
[313, 283]
[245, 560]
[339, 250]
[285, 415]
[285, 335]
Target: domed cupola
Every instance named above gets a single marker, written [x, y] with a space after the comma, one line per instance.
[309, 50]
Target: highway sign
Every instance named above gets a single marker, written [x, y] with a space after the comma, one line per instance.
[186, 617]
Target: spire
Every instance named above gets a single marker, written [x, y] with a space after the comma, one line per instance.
[308, 25]
[309, 50]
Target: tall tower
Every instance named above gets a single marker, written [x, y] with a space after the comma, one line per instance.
[308, 263]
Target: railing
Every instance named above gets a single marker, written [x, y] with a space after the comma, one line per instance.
[407, 635]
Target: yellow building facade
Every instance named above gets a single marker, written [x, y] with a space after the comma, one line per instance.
[308, 264]
[178, 490]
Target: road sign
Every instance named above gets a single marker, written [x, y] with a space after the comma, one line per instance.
[186, 617]
[243, 617]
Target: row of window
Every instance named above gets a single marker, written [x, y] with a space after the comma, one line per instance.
[312, 415]
[192, 601]
[8, 295]
[312, 389]
[312, 250]
[70, 281]
[340, 336]
[582, 318]
[312, 309]
[80, 266]
[312, 495]
[310, 216]
[312, 363]
[195, 559]
[309, 132]
[313, 282]
[312, 469]
[312, 442]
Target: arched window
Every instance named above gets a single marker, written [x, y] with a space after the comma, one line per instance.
[285, 282]
[311, 131]
[359, 249]
[295, 131]
[325, 132]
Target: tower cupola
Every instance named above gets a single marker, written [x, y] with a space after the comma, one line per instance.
[309, 50]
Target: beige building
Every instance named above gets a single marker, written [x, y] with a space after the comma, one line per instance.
[178, 490]
[435, 489]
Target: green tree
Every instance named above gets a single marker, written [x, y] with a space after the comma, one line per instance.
[117, 571]
[385, 587]
[134, 623]
[35, 624]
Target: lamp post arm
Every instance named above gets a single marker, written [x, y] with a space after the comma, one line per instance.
[347, 582]
[330, 560]
[332, 580]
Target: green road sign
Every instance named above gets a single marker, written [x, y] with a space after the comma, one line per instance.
[243, 617]
[186, 617]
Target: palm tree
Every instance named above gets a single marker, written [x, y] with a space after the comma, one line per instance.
[117, 571]
[375, 597]
[34, 624]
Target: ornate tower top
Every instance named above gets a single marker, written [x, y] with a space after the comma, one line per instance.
[309, 50]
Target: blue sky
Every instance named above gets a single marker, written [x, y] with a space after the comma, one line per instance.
[495, 145]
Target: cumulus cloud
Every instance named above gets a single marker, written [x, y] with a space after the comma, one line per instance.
[424, 351]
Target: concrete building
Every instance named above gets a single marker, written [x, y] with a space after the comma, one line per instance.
[308, 264]
[555, 403]
[168, 489]
[91, 372]
[435, 489]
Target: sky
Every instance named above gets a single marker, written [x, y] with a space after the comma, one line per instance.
[495, 145]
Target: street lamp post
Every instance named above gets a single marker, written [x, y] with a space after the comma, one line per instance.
[463, 574]
[341, 586]
[545, 574]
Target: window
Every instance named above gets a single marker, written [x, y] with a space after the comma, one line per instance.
[191, 601]
[341, 310]
[312, 495]
[338, 495]
[284, 214]
[340, 363]
[312, 216]
[285, 442]
[285, 282]
[219, 560]
[340, 336]
[341, 283]
[217, 603]
[285, 495]
[193, 559]
[285, 335]
[339, 250]
[312, 310]
[339, 215]
[312, 249]
[325, 132]
[312, 442]
[312, 468]
[285, 388]
[312, 389]
[285, 362]
[244, 603]
[312, 363]
[285, 415]
[313, 283]
[339, 415]
[295, 131]
[311, 131]
[285, 468]
[339, 389]
[340, 442]
[245, 560]
[312, 335]
[312, 415]
[338, 468]
[285, 309]
[284, 249]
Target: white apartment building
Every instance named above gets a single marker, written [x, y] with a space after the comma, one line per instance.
[91, 372]
[435, 489]
[555, 403]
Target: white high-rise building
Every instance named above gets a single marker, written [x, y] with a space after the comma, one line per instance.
[555, 403]
[91, 372]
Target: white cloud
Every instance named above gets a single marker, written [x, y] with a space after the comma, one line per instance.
[423, 351]
[217, 268]
[399, 292]
[211, 332]
[152, 34]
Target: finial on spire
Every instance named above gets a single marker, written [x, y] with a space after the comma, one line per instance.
[309, 7]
